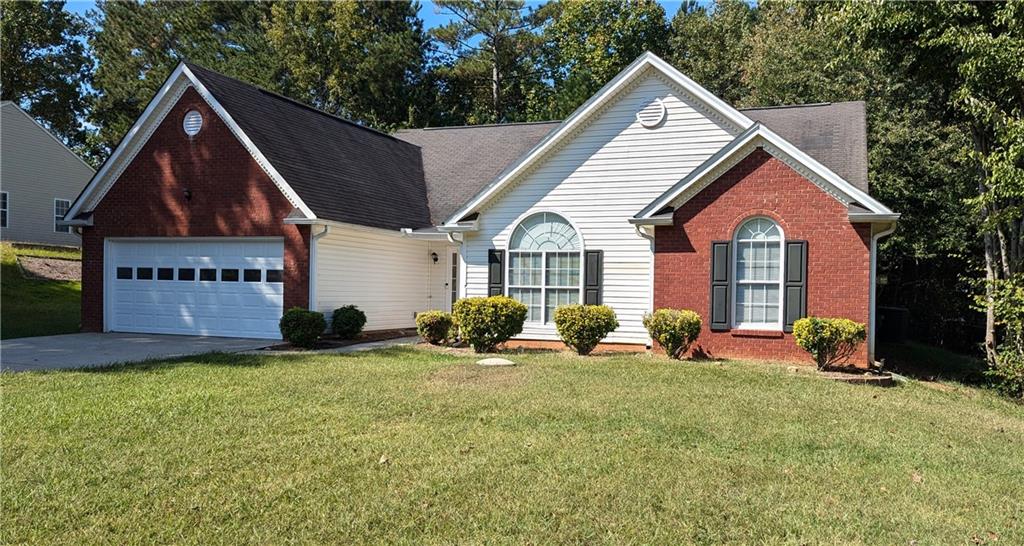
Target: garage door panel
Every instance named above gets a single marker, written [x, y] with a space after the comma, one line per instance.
[198, 307]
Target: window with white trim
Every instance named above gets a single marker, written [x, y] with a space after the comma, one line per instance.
[758, 279]
[544, 265]
[4, 203]
[60, 208]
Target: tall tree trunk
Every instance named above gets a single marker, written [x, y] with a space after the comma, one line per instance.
[990, 313]
[495, 81]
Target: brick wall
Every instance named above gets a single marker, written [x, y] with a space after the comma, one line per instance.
[231, 196]
[838, 252]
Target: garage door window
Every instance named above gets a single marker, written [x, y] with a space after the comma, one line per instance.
[275, 275]
[124, 273]
[207, 274]
[253, 275]
[165, 274]
[186, 274]
[144, 273]
[229, 275]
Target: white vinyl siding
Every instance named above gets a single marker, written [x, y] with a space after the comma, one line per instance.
[600, 178]
[389, 277]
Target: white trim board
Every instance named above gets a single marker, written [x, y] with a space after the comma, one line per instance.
[592, 107]
[165, 99]
[759, 136]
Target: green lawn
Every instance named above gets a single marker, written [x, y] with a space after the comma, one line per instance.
[35, 307]
[419, 446]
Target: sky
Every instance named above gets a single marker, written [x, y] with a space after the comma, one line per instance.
[428, 11]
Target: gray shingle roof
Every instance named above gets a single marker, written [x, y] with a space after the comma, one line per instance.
[833, 133]
[459, 161]
[341, 170]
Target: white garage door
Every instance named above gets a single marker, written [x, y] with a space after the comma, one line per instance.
[231, 288]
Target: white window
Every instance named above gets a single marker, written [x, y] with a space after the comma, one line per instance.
[4, 211]
[544, 265]
[758, 285]
[60, 208]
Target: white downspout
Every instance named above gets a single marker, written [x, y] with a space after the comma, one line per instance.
[312, 265]
[872, 294]
[650, 276]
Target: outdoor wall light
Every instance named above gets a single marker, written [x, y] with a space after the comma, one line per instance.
[188, 194]
[433, 256]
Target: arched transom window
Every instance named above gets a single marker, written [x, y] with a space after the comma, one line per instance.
[758, 276]
[544, 265]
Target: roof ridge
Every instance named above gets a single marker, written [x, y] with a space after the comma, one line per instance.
[299, 103]
[482, 125]
[784, 106]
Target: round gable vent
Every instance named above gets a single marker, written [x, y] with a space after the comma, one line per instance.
[652, 114]
[192, 123]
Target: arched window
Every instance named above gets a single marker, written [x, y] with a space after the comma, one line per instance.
[758, 260]
[544, 265]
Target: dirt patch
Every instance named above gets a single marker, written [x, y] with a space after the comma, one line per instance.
[51, 269]
[474, 375]
[331, 342]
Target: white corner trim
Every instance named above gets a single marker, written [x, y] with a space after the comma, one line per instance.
[161, 104]
[594, 105]
[759, 136]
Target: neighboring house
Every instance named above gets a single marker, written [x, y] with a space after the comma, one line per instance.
[39, 179]
[226, 204]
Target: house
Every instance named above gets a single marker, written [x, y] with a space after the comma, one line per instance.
[39, 179]
[226, 204]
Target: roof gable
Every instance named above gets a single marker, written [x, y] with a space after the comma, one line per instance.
[759, 136]
[711, 104]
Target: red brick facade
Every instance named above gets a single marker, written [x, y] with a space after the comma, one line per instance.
[230, 196]
[838, 253]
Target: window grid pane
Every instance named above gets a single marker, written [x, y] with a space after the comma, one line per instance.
[758, 271]
[530, 297]
[60, 208]
[556, 297]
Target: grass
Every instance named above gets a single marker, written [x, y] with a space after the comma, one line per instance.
[420, 446]
[36, 307]
[60, 252]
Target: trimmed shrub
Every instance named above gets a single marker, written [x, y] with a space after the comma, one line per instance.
[302, 327]
[347, 322]
[485, 323]
[673, 329]
[582, 327]
[829, 340]
[435, 327]
[1008, 372]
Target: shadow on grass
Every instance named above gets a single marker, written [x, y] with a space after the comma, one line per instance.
[927, 363]
[217, 359]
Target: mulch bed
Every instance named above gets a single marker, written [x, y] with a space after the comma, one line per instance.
[331, 342]
[51, 269]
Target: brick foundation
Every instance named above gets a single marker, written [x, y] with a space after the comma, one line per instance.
[231, 196]
[838, 252]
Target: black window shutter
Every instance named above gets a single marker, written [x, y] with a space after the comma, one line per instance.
[495, 272]
[721, 278]
[794, 303]
[593, 264]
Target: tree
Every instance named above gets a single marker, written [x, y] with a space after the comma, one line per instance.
[972, 53]
[45, 69]
[138, 44]
[489, 45]
[361, 60]
[587, 43]
[710, 45]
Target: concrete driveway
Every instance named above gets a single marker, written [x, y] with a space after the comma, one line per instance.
[87, 350]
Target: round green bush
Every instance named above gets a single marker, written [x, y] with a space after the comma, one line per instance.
[829, 340]
[435, 327]
[485, 323]
[302, 327]
[582, 327]
[674, 329]
[347, 322]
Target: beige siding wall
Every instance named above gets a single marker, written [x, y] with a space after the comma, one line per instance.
[388, 276]
[611, 170]
[34, 170]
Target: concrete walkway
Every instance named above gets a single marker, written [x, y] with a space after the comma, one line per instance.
[89, 350]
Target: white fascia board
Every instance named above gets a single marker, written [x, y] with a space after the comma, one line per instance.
[659, 220]
[460, 227]
[759, 135]
[102, 181]
[592, 105]
[298, 221]
[871, 217]
[429, 236]
[253, 150]
[126, 142]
